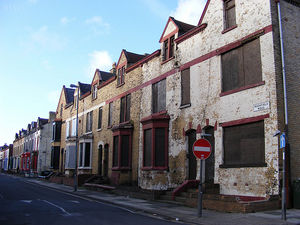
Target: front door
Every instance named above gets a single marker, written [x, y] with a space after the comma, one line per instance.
[105, 161]
[210, 162]
[192, 162]
[100, 160]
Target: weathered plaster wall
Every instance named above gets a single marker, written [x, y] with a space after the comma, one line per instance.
[206, 102]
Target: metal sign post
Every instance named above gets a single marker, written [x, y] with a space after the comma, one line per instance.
[283, 200]
[200, 193]
[202, 150]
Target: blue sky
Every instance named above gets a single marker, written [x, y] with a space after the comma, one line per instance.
[45, 44]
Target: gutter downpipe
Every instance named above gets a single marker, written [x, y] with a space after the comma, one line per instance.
[283, 200]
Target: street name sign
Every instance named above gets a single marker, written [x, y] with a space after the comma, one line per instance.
[282, 140]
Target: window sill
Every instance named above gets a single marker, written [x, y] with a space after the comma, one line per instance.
[87, 133]
[154, 168]
[98, 130]
[167, 60]
[121, 168]
[229, 29]
[85, 168]
[109, 127]
[185, 106]
[242, 88]
[243, 165]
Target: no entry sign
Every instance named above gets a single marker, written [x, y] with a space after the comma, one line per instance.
[202, 149]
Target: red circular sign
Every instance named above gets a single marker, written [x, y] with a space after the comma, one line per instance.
[202, 149]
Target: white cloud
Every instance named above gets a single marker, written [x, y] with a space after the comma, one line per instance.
[53, 96]
[43, 38]
[97, 25]
[97, 20]
[65, 20]
[101, 60]
[189, 11]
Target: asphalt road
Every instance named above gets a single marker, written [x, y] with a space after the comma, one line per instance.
[23, 203]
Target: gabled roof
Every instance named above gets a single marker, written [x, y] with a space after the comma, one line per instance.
[103, 76]
[203, 13]
[69, 94]
[106, 76]
[181, 27]
[84, 88]
[132, 57]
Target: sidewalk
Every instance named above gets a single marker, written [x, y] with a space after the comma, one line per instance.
[174, 212]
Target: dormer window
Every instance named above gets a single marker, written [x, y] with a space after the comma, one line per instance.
[121, 73]
[94, 91]
[168, 48]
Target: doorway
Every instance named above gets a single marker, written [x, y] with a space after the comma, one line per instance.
[210, 162]
[105, 161]
[192, 162]
[100, 160]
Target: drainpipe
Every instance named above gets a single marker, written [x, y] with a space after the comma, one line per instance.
[284, 183]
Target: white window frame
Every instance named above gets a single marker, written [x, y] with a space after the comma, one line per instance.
[89, 122]
[81, 160]
[68, 128]
[94, 91]
[73, 133]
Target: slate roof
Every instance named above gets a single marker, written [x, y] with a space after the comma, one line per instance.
[183, 27]
[104, 76]
[84, 88]
[42, 121]
[69, 93]
[133, 57]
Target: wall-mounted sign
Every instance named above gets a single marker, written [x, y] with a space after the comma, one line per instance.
[261, 106]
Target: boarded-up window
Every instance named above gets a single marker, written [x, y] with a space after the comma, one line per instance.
[166, 49]
[125, 109]
[185, 87]
[244, 144]
[100, 118]
[56, 132]
[125, 151]
[87, 154]
[229, 11]
[121, 151]
[70, 156]
[121, 73]
[160, 145]
[110, 109]
[159, 96]
[155, 148]
[81, 155]
[116, 151]
[89, 121]
[171, 53]
[241, 66]
[55, 157]
[147, 147]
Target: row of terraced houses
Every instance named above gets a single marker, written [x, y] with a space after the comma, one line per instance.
[137, 122]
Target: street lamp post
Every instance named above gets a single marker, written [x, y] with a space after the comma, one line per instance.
[76, 144]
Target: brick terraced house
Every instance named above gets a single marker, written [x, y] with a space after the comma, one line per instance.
[221, 79]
